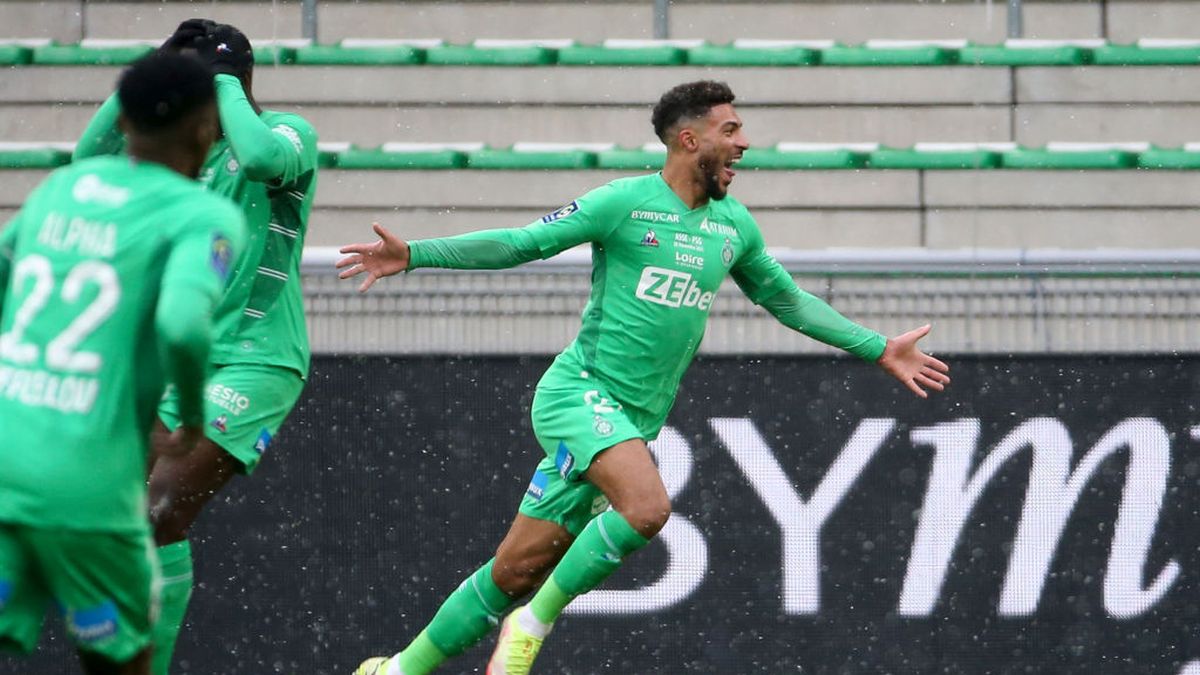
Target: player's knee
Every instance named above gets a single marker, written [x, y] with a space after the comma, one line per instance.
[648, 515]
[170, 523]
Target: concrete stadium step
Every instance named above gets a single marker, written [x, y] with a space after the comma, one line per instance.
[851, 21]
[599, 86]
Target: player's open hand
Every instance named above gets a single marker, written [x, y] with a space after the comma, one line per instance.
[378, 259]
[916, 369]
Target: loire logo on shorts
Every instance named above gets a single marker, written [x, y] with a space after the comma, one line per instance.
[93, 624]
[264, 439]
[672, 289]
[537, 486]
[221, 424]
[563, 460]
[6, 591]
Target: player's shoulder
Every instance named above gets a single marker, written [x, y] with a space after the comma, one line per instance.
[734, 209]
[630, 189]
[635, 185]
[295, 127]
[205, 210]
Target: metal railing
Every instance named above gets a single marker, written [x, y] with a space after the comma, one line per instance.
[978, 302]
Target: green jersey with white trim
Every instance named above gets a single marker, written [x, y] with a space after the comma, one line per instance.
[261, 317]
[88, 267]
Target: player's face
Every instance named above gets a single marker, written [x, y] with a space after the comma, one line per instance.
[722, 143]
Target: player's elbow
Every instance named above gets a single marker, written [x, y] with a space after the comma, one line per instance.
[261, 166]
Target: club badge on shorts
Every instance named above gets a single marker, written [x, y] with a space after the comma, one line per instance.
[602, 427]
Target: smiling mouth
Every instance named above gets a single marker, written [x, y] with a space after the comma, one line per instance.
[729, 172]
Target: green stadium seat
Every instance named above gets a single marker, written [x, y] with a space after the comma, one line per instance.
[894, 53]
[1149, 53]
[338, 55]
[1020, 52]
[798, 156]
[279, 52]
[538, 156]
[935, 156]
[19, 155]
[328, 153]
[629, 53]
[15, 55]
[1075, 156]
[1186, 158]
[393, 156]
[92, 53]
[472, 55]
[649, 157]
[758, 53]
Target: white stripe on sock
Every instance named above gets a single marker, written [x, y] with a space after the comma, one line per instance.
[607, 540]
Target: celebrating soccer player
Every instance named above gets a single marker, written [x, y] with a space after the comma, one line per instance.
[661, 246]
[109, 275]
[266, 162]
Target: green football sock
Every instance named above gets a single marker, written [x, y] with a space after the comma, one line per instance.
[471, 611]
[594, 555]
[176, 563]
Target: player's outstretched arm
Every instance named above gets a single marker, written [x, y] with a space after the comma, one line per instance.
[903, 360]
[390, 255]
[482, 250]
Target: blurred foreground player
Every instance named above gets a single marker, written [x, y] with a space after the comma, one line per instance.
[266, 162]
[661, 246]
[109, 275]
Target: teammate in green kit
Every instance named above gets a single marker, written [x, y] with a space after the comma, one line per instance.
[661, 246]
[109, 275]
[266, 162]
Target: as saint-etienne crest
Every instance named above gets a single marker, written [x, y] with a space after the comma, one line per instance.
[727, 252]
[601, 426]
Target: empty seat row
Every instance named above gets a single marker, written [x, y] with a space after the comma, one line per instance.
[750, 53]
[784, 156]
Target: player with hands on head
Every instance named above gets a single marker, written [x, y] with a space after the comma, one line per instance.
[608, 393]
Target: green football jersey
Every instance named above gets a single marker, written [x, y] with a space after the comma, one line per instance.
[657, 267]
[83, 265]
[261, 317]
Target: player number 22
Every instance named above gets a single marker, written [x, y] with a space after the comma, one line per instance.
[61, 352]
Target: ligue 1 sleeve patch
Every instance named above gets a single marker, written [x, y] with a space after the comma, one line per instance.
[561, 213]
[264, 440]
[222, 254]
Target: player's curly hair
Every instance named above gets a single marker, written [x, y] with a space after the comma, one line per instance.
[688, 101]
[160, 89]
